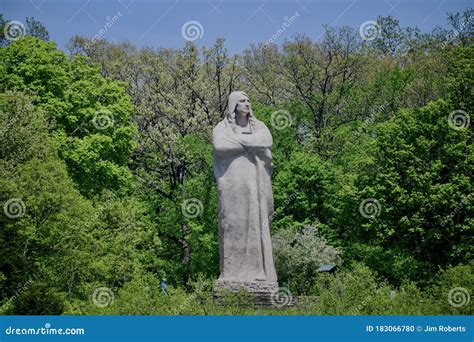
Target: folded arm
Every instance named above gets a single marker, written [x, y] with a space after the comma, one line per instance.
[226, 145]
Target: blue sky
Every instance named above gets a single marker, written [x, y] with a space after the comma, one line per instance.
[159, 23]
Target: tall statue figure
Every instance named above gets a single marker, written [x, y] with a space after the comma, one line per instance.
[243, 167]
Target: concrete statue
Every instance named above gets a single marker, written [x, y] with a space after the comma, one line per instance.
[242, 168]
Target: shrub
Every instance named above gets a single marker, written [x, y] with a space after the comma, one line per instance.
[298, 255]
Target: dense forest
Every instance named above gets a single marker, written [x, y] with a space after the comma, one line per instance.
[107, 187]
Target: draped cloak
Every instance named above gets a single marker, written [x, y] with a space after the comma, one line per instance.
[242, 168]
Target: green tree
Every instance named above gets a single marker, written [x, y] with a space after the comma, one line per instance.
[89, 115]
[303, 194]
[298, 255]
[420, 173]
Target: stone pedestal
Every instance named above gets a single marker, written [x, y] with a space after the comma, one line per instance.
[261, 293]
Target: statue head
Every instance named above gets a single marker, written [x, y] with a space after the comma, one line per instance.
[239, 104]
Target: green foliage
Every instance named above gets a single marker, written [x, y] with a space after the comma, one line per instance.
[23, 130]
[357, 291]
[459, 81]
[419, 175]
[303, 190]
[452, 290]
[38, 299]
[298, 256]
[88, 114]
[108, 241]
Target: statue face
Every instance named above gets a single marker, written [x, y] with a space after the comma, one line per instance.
[243, 105]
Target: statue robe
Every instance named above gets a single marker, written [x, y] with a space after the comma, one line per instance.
[242, 168]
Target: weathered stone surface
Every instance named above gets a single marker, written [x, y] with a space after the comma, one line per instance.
[242, 167]
[249, 286]
[260, 294]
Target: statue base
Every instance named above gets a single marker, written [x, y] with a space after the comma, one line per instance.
[260, 293]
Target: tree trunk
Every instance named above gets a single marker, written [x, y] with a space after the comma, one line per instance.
[186, 254]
